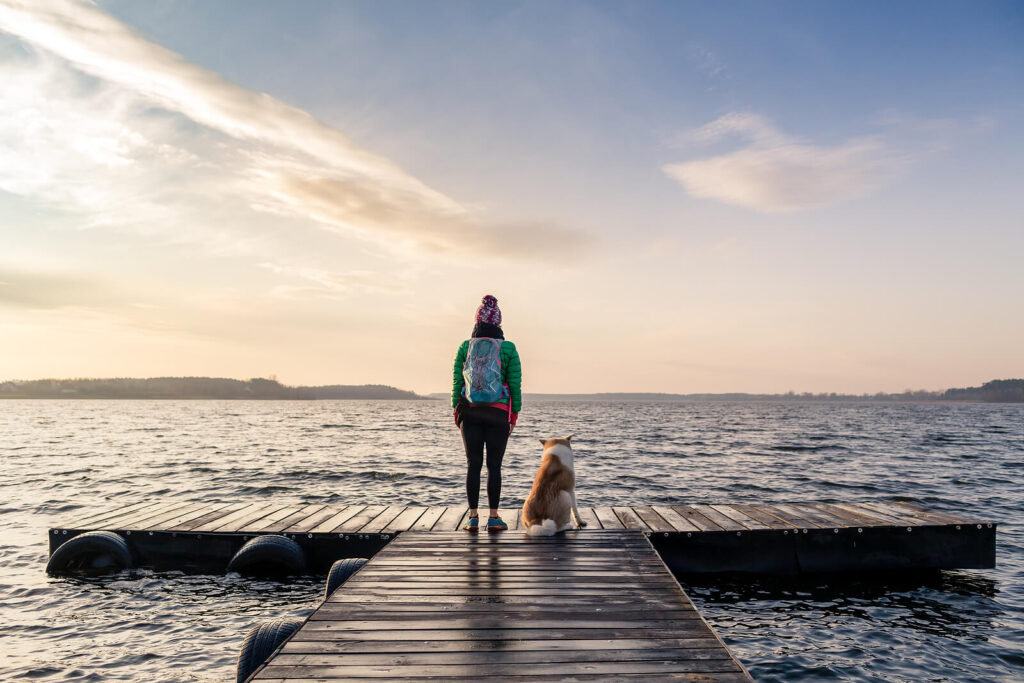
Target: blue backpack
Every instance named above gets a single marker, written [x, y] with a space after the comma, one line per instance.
[481, 372]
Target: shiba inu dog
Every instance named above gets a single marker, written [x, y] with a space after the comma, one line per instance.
[547, 509]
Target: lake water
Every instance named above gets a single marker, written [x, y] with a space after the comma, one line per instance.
[57, 457]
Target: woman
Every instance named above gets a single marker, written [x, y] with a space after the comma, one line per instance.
[486, 397]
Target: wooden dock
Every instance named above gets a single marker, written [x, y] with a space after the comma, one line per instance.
[601, 603]
[775, 538]
[443, 605]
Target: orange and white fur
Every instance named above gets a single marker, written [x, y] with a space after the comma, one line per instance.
[547, 509]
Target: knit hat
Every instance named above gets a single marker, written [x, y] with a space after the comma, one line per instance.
[489, 311]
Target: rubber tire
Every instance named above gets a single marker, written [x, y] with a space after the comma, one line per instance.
[93, 551]
[341, 571]
[260, 642]
[270, 555]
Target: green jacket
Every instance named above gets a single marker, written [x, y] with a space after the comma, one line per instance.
[511, 373]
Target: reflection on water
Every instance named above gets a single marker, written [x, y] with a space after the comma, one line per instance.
[61, 456]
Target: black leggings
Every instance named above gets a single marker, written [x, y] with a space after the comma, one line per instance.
[480, 427]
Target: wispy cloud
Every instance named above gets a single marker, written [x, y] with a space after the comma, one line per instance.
[776, 172]
[98, 120]
[318, 283]
[46, 290]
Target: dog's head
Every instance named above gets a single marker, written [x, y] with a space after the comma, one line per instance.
[563, 441]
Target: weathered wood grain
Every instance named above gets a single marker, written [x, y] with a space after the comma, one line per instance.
[455, 605]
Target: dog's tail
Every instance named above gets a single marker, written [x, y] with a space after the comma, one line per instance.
[545, 527]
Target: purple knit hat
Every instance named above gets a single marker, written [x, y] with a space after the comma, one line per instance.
[489, 311]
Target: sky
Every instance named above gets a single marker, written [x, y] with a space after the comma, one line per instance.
[663, 196]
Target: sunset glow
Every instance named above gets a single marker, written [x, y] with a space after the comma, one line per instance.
[666, 197]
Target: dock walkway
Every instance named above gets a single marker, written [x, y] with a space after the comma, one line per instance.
[444, 605]
[779, 538]
[435, 603]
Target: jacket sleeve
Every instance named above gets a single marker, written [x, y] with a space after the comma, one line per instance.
[457, 381]
[514, 376]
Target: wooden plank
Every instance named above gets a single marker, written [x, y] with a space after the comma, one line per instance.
[484, 550]
[630, 519]
[652, 519]
[497, 656]
[877, 518]
[935, 516]
[303, 513]
[820, 519]
[401, 610]
[608, 518]
[161, 512]
[332, 618]
[240, 515]
[392, 593]
[482, 580]
[199, 521]
[588, 537]
[525, 546]
[332, 524]
[766, 518]
[696, 518]
[451, 519]
[91, 521]
[405, 520]
[357, 522]
[624, 574]
[667, 601]
[313, 630]
[144, 513]
[511, 557]
[381, 521]
[827, 517]
[203, 511]
[251, 516]
[511, 517]
[313, 521]
[523, 645]
[906, 517]
[157, 523]
[724, 521]
[740, 517]
[428, 519]
[735, 677]
[588, 516]
[475, 671]
[787, 515]
[850, 519]
[676, 520]
[271, 522]
[498, 565]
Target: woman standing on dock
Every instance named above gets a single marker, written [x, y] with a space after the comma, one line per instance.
[486, 398]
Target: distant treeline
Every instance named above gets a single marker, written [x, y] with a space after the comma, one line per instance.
[192, 388]
[996, 391]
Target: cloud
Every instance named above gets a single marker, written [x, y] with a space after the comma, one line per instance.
[774, 172]
[55, 290]
[354, 204]
[96, 120]
[325, 284]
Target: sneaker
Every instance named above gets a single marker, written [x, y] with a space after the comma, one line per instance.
[473, 524]
[496, 524]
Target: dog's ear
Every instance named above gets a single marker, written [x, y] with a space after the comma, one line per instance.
[543, 442]
[569, 438]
